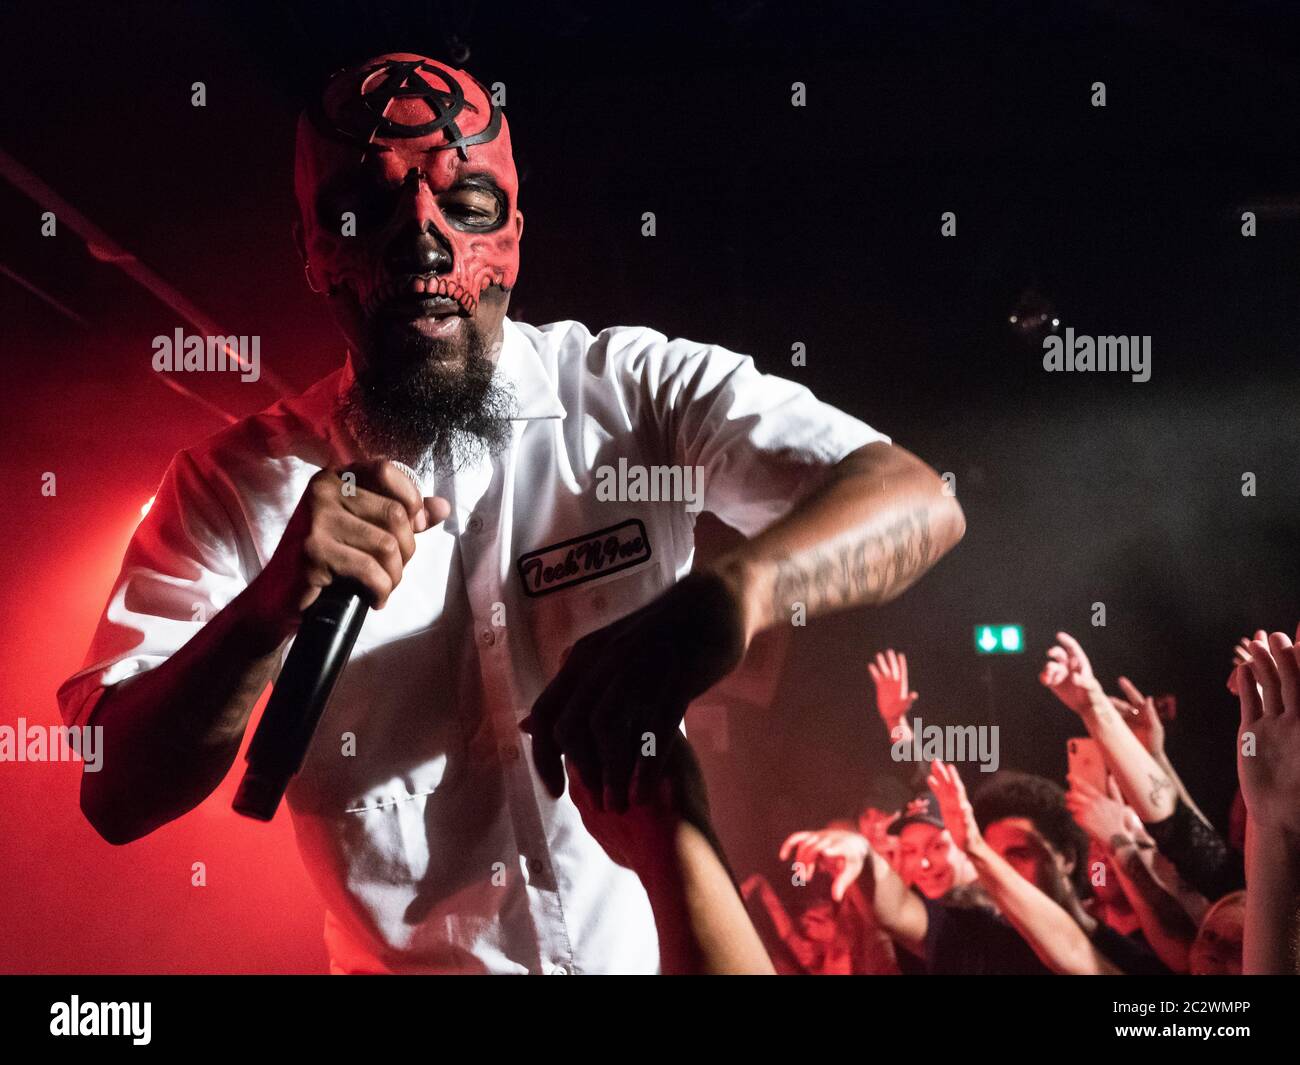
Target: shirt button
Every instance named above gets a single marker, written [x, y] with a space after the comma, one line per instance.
[487, 637]
[512, 752]
[536, 866]
[474, 524]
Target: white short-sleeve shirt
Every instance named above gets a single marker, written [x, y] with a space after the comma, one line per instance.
[433, 843]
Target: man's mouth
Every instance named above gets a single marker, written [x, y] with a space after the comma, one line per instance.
[416, 297]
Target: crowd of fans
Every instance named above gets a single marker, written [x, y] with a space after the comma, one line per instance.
[1118, 873]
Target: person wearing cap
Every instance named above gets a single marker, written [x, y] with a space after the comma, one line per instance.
[927, 857]
[935, 905]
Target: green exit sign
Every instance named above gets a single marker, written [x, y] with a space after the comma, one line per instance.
[999, 639]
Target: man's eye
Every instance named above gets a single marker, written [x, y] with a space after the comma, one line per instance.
[478, 210]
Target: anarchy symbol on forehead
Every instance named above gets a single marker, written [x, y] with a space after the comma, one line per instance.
[364, 116]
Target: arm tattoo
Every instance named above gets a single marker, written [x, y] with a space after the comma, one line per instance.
[870, 568]
[1158, 786]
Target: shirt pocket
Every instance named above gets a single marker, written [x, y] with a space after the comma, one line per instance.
[561, 618]
[437, 852]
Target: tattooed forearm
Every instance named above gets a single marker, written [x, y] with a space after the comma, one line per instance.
[1159, 785]
[870, 567]
[867, 530]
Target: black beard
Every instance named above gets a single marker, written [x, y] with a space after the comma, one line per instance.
[408, 405]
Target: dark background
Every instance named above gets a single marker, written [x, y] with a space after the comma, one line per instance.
[776, 224]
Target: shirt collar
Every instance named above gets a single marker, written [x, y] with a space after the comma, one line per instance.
[521, 367]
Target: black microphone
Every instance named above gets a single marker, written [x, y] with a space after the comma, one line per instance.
[320, 650]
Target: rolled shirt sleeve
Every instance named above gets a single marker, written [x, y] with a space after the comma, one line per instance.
[759, 439]
[181, 566]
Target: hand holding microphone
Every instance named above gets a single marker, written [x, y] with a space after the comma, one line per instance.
[342, 552]
[365, 533]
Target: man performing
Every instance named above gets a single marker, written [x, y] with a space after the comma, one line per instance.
[536, 618]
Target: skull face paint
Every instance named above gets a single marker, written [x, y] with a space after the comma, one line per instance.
[421, 157]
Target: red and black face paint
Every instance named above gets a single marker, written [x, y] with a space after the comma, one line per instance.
[419, 155]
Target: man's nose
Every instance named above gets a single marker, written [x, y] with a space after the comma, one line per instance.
[925, 864]
[418, 247]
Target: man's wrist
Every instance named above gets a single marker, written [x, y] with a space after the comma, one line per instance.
[740, 576]
[1096, 703]
[258, 630]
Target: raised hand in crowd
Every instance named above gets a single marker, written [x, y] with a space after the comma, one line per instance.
[859, 870]
[837, 851]
[1141, 715]
[1197, 851]
[894, 698]
[1068, 675]
[1268, 766]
